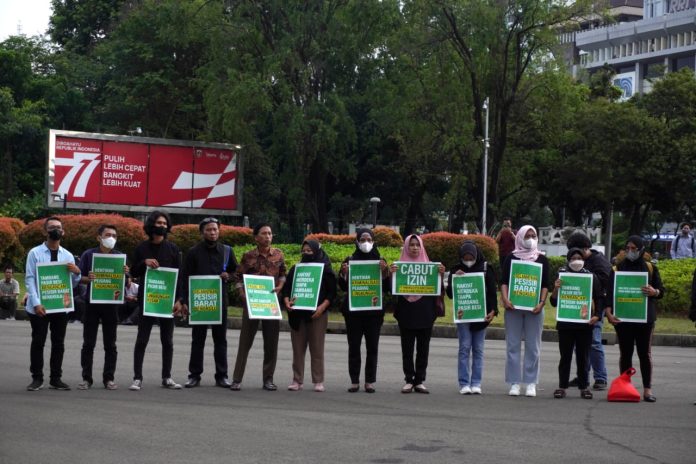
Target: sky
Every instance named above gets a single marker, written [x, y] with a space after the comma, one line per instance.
[31, 14]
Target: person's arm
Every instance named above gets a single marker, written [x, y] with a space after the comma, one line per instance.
[673, 249]
[449, 284]
[138, 268]
[30, 282]
[491, 294]
[188, 269]
[343, 275]
[282, 273]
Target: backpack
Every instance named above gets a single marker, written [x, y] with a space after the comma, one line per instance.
[676, 243]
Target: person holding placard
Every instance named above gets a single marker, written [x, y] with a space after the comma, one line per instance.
[480, 291]
[634, 288]
[154, 253]
[308, 322]
[524, 287]
[416, 315]
[102, 266]
[43, 315]
[363, 320]
[210, 258]
[264, 260]
[578, 311]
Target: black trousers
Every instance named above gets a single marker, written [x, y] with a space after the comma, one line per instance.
[108, 315]
[420, 339]
[359, 326]
[198, 336]
[8, 307]
[128, 310]
[580, 340]
[640, 335]
[145, 324]
[57, 322]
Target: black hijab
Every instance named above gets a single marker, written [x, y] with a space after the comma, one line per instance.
[318, 256]
[470, 248]
[358, 254]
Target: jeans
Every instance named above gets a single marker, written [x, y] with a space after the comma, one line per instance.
[520, 324]
[470, 346]
[599, 368]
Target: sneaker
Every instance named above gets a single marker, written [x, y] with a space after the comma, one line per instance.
[295, 386]
[319, 387]
[236, 386]
[171, 384]
[84, 385]
[110, 385]
[476, 390]
[514, 389]
[531, 390]
[136, 385]
[465, 390]
[35, 385]
[600, 385]
[408, 388]
[421, 388]
[58, 384]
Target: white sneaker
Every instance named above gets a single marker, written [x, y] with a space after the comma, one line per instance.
[476, 390]
[531, 390]
[514, 389]
[171, 384]
[465, 390]
[137, 385]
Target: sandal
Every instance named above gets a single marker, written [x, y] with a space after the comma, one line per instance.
[586, 394]
[353, 388]
[560, 393]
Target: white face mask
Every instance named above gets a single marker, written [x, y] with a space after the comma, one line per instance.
[530, 243]
[576, 265]
[468, 263]
[365, 247]
[109, 242]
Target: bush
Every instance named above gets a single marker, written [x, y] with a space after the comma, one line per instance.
[444, 247]
[186, 236]
[11, 250]
[81, 232]
[384, 237]
[676, 275]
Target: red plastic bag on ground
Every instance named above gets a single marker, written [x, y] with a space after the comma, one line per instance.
[622, 389]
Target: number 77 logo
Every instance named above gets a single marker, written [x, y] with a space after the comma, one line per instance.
[88, 161]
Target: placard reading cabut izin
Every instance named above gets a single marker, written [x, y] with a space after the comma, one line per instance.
[524, 286]
[205, 300]
[55, 287]
[306, 283]
[469, 297]
[364, 285]
[160, 290]
[109, 280]
[416, 279]
[630, 304]
[261, 300]
[574, 297]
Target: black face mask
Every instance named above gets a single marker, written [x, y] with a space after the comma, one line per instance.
[54, 234]
[161, 230]
[307, 258]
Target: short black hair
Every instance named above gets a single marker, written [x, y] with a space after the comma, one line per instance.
[685, 223]
[103, 227]
[8, 267]
[579, 240]
[206, 221]
[152, 218]
[52, 218]
[258, 227]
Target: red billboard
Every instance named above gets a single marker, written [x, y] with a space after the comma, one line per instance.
[113, 172]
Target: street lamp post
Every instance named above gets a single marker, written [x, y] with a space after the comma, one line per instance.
[374, 201]
[485, 170]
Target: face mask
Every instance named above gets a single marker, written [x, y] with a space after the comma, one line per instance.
[109, 242]
[633, 255]
[307, 257]
[162, 230]
[468, 263]
[54, 234]
[576, 265]
[365, 247]
[530, 243]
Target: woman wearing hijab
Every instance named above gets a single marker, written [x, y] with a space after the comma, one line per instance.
[416, 315]
[576, 335]
[521, 323]
[309, 327]
[361, 324]
[472, 334]
[637, 333]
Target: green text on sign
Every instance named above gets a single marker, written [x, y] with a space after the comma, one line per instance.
[574, 297]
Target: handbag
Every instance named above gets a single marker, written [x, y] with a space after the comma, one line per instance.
[622, 389]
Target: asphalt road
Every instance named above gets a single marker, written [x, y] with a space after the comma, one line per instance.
[210, 424]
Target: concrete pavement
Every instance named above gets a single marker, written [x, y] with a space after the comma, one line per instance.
[210, 424]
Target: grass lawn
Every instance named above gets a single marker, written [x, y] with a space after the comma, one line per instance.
[664, 325]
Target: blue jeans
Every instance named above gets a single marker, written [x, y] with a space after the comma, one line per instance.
[597, 355]
[470, 343]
